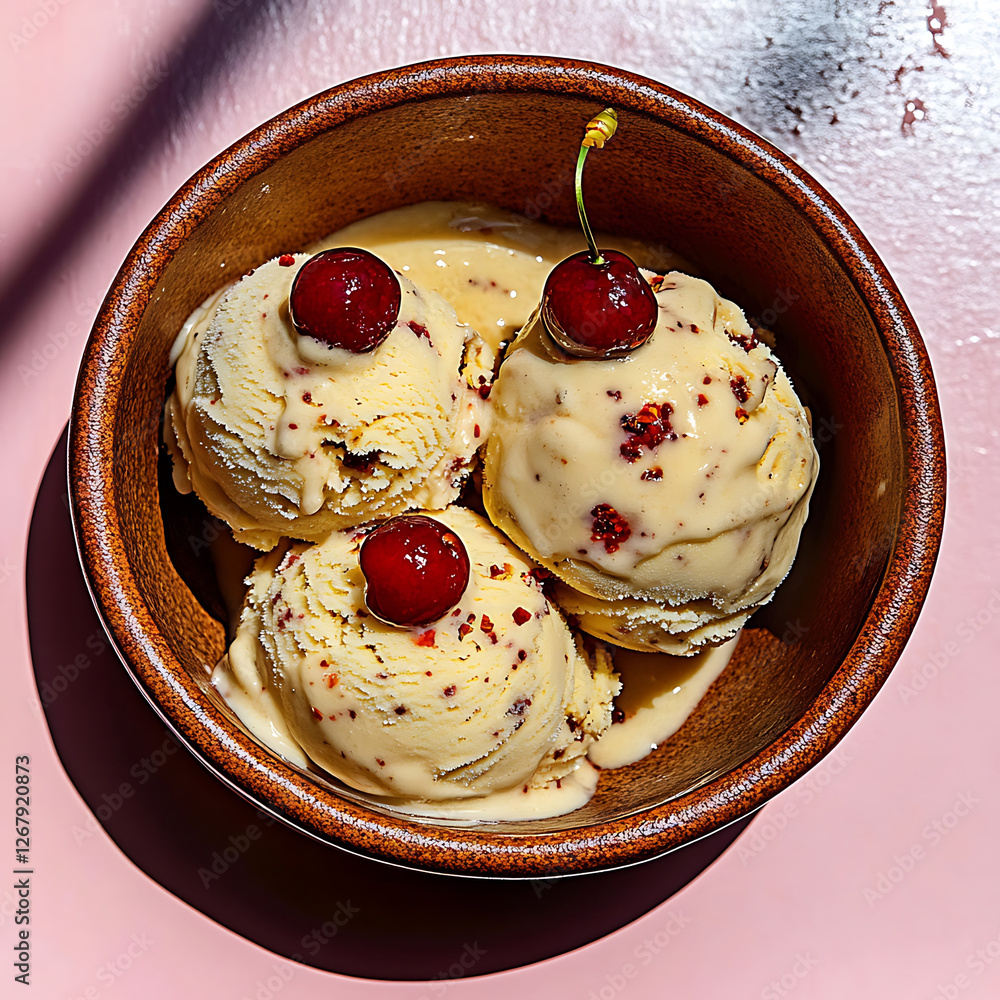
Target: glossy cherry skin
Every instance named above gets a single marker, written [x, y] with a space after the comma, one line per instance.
[598, 310]
[345, 298]
[416, 570]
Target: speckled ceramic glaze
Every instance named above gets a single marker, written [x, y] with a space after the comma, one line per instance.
[504, 130]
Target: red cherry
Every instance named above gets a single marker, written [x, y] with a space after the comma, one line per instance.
[598, 310]
[416, 570]
[345, 298]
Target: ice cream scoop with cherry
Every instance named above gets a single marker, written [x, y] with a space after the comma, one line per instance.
[648, 450]
[320, 392]
[420, 660]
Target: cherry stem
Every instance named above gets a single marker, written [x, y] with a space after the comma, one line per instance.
[595, 254]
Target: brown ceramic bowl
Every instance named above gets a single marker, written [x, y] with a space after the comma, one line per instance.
[501, 129]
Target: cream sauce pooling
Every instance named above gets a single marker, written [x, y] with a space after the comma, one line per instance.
[658, 693]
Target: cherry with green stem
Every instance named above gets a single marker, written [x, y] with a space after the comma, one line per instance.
[596, 303]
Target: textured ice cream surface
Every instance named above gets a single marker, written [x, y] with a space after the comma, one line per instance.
[666, 489]
[281, 435]
[497, 695]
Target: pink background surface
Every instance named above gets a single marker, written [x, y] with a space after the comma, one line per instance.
[874, 876]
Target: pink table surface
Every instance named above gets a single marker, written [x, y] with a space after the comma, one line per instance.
[874, 876]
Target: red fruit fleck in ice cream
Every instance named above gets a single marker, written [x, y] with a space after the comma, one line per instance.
[609, 527]
[649, 427]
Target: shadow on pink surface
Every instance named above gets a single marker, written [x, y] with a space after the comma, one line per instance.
[243, 868]
[109, 157]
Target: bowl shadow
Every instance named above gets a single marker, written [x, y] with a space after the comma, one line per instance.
[271, 884]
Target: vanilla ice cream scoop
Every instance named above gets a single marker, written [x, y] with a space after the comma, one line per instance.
[666, 489]
[495, 695]
[282, 435]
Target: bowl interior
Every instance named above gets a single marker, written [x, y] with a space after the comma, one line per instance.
[671, 178]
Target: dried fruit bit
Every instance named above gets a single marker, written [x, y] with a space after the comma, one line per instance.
[425, 638]
[649, 427]
[748, 343]
[702, 399]
[449, 691]
[463, 630]
[501, 573]
[363, 462]
[609, 527]
[400, 710]
[380, 762]
[521, 616]
[332, 680]
[543, 578]
[286, 260]
[741, 390]
[654, 474]
[317, 714]
[519, 706]
[741, 415]
[487, 626]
